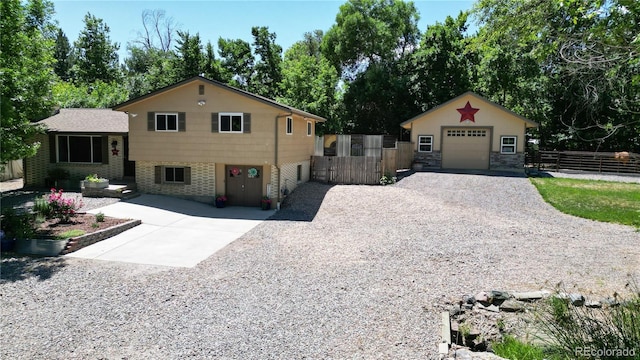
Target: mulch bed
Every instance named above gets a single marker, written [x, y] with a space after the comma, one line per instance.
[85, 222]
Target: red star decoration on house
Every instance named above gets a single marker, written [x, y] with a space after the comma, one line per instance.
[115, 152]
[467, 113]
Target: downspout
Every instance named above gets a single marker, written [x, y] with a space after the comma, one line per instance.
[277, 150]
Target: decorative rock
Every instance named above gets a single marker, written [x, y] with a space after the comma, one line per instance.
[512, 305]
[482, 297]
[491, 308]
[499, 295]
[466, 354]
[469, 299]
[455, 310]
[593, 304]
[610, 302]
[576, 299]
[530, 295]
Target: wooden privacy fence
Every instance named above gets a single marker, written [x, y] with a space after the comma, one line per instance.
[346, 170]
[586, 161]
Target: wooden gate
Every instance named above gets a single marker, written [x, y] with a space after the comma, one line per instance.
[363, 170]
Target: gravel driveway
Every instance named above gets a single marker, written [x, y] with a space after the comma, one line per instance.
[360, 281]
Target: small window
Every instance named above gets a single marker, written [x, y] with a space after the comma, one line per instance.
[166, 122]
[456, 132]
[477, 133]
[508, 145]
[289, 126]
[200, 89]
[309, 128]
[174, 174]
[425, 143]
[230, 123]
[299, 174]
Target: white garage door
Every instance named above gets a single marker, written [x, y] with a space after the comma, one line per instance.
[466, 148]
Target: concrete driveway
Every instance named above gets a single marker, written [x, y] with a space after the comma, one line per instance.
[174, 232]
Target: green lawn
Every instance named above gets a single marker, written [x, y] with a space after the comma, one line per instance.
[607, 201]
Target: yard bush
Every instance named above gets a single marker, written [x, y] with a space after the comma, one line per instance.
[62, 208]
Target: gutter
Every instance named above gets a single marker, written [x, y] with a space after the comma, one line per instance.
[277, 150]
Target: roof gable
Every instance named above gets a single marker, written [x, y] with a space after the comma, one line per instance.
[87, 121]
[529, 123]
[252, 96]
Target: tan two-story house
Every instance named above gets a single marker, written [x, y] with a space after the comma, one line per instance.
[200, 137]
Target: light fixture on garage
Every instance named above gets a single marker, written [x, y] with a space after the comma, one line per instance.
[201, 102]
[133, 115]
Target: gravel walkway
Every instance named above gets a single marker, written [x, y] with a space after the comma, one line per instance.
[363, 280]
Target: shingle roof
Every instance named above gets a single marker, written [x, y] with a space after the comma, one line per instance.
[530, 123]
[224, 86]
[87, 121]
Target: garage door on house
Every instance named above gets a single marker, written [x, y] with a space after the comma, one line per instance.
[466, 148]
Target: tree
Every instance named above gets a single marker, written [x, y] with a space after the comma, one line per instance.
[158, 30]
[63, 54]
[441, 66]
[268, 69]
[310, 82]
[212, 66]
[96, 57]
[26, 48]
[237, 62]
[371, 31]
[586, 54]
[189, 61]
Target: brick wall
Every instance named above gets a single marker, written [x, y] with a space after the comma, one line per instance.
[510, 162]
[203, 180]
[274, 182]
[37, 167]
[289, 174]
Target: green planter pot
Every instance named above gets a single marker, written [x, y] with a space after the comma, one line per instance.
[43, 247]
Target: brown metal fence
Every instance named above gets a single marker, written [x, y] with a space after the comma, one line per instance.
[602, 162]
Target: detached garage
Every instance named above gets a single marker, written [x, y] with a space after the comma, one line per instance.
[469, 132]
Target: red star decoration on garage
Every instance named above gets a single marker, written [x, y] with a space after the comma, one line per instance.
[115, 152]
[467, 113]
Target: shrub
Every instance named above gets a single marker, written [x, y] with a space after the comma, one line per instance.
[571, 328]
[387, 179]
[94, 178]
[58, 174]
[20, 226]
[61, 208]
[100, 217]
[41, 207]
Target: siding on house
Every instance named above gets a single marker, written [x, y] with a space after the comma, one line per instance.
[199, 141]
[36, 168]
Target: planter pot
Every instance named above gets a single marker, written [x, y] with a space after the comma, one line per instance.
[102, 184]
[266, 205]
[220, 204]
[44, 247]
[7, 244]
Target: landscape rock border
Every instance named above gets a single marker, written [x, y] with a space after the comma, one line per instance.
[78, 242]
[460, 340]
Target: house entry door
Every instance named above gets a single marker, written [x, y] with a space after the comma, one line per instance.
[244, 185]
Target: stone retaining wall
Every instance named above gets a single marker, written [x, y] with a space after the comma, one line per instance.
[77, 243]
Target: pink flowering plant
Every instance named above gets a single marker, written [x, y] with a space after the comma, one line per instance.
[62, 208]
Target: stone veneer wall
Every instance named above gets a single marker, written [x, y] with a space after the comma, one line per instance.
[510, 162]
[203, 181]
[428, 160]
[36, 168]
